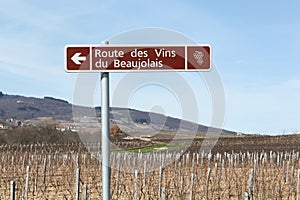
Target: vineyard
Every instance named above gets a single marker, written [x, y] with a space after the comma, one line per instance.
[68, 171]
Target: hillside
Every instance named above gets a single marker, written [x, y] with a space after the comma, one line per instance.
[130, 120]
[24, 108]
[34, 135]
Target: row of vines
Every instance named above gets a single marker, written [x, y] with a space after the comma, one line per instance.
[66, 171]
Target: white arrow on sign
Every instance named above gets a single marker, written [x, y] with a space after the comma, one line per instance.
[77, 58]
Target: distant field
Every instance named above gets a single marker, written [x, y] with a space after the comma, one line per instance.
[214, 143]
[228, 143]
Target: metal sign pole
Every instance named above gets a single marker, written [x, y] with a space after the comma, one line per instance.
[105, 136]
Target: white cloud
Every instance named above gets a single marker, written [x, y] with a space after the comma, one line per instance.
[264, 109]
[31, 58]
[293, 84]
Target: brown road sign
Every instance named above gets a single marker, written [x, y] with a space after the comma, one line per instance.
[112, 58]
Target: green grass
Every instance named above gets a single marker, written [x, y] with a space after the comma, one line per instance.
[147, 149]
[153, 148]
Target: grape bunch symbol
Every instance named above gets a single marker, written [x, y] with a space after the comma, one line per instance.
[198, 55]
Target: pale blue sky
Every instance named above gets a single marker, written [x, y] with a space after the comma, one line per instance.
[256, 46]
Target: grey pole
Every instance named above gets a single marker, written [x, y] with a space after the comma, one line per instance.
[105, 136]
